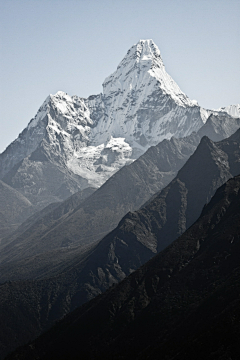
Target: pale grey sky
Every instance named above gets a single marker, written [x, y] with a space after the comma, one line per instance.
[73, 45]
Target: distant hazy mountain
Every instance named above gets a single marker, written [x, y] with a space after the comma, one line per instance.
[137, 238]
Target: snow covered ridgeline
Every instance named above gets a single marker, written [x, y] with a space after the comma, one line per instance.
[140, 106]
[67, 115]
[232, 110]
[68, 129]
[137, 98]
[142, 102]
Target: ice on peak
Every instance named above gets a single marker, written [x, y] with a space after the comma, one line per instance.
[61, 95]
[143, 68]
[145, 46]
[143, 50]
[138, 61]
[232, 110]
[195, 102]
[148, 46]
[42, 111]
[148, 41]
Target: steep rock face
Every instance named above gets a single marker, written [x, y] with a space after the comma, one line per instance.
[88, 140]
[186, 296]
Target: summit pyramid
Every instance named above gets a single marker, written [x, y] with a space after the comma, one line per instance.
[73, 143]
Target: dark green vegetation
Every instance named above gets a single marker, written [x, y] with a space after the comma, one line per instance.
[182, 304]
[137, 238]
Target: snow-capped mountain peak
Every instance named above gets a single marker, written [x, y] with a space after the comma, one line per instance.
[64, 115]
[92, 138]
[143, 67]
[233, 110]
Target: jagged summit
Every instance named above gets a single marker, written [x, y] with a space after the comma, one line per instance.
[90, 139]
[143, 64]
[144, 53]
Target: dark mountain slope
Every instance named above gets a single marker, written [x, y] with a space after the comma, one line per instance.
[45, 219]
[14, 209]
[137, 238]
[178, 205]
[125, 191]
[182, 304]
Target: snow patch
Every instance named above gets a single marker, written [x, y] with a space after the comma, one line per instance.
[232, 110]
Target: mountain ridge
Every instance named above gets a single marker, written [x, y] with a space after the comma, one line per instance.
[137, 238]
[126, 191]
[88, 140]
[173, 305]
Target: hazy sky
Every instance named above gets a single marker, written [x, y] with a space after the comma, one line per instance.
[51, 45]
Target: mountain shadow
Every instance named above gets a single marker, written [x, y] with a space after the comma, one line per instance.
[137, 238]
[182, 304]
[125, 191]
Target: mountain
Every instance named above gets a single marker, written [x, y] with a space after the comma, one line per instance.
[73, 143]
[138, 237]
[14, 209]
[90, 220]
[219, 126]
[125, 191]
[52, 214]
[233, 110]
[182, 304]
